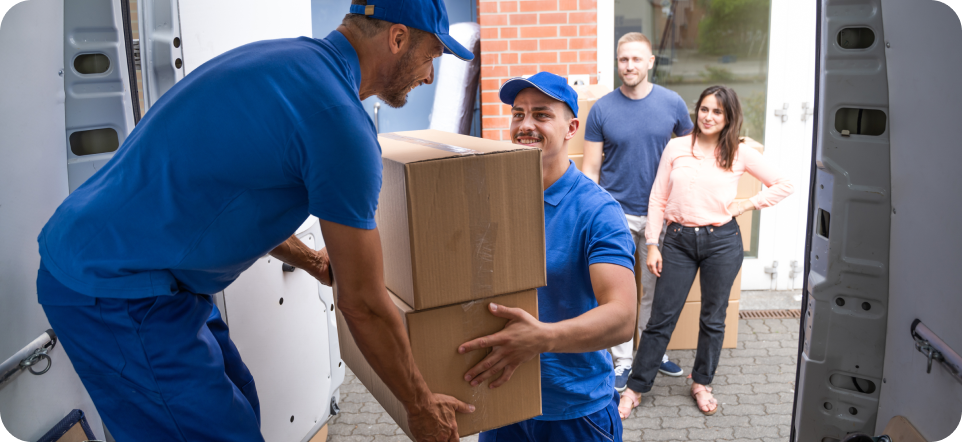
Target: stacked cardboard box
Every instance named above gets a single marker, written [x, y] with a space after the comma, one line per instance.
[587, 96]
[461, 221]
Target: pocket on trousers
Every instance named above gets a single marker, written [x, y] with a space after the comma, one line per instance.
[599, 427]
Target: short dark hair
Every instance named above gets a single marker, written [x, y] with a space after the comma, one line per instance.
[369, 27]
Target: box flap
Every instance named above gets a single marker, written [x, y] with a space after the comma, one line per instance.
[427, 145]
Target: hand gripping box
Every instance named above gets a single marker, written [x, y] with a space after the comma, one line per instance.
[435, 335]
[461, 218]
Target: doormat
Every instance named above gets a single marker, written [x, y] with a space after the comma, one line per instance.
[770, 314]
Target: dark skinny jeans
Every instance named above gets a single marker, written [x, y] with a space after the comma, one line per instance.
[718, 252]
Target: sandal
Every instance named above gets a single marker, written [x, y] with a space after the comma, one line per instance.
[627, 404]
[705, 389]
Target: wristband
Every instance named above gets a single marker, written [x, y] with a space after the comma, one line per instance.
[651, 244]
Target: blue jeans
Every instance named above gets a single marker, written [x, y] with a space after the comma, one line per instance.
[158, 369]
[600, 426]
[718, 252]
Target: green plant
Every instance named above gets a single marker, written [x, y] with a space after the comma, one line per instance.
[717, 74]
[753, 108]
[732, 26]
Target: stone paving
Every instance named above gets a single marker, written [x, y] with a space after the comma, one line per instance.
[754, 383]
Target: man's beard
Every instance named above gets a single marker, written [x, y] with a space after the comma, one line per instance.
[638, 79]
[529, 134]
[395, 94]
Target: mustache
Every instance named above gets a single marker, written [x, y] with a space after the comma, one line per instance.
[530, 134]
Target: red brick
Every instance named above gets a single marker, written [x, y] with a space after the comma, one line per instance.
[583, 17]
[509, 32]
[493, 20]
[568, 5]
[490, 110]
[588, 30]
[568, 31]
[583, 56]
[488, 59]
[496, 121]
[491, 134]
[494, 71]
[583, 43]
[558, 69]
[524, 45]
[587, 5]
[487, 7]
[505, 109]
[505, 135]
[523, 19]
[553, 44]
[490, 97]
[539, 57]
[494, 45]
[509, 6]
[539, 32]
[523, 69]
[568, 57]
[490, 84]
[538, 5]
[553, 18]
[489, 33]
[578, 69]
[509, 58]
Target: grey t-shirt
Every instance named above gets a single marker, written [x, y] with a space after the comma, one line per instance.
[635, 133]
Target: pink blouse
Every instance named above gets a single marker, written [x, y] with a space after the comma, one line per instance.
[693, 191]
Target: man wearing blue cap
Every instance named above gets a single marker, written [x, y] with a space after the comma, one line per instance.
[221, 171]
[589, 302]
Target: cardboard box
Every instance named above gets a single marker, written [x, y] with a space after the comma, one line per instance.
[461, 218]
[578, 159]
[435, 336]
[587, 96]
[685, 336]
[749, 186]
[745, 223]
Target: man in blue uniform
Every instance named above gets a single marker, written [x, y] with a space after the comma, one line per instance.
[222, 170]
[589, 302]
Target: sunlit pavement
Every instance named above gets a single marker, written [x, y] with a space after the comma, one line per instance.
[754, 383]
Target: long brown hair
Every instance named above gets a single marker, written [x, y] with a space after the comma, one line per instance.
[728, 139]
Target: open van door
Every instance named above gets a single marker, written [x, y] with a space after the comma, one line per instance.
[880, 330]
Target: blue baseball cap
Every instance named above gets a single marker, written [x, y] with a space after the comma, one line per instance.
[552, 85]
[426, 15]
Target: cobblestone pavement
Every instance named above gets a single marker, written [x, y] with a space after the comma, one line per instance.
[754, 383]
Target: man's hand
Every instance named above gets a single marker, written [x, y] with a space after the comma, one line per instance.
[522, 338]
[323, 271]
[316, 263]
[435, 420]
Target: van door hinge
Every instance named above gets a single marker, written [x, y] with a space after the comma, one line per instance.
[135, 46]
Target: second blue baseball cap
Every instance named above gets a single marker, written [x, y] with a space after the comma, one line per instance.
[552, 85]
[426, 15]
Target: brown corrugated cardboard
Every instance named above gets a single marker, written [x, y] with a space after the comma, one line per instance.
[749, 186]
[435, 335]
[685, 336]
[745, 222]
[587, 96]
[460, 217]
[578, 159]
[695, 294]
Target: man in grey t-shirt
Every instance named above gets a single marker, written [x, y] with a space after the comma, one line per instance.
[632, 125]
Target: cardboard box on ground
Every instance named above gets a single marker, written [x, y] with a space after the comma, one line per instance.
[435, 335]
[461, 218]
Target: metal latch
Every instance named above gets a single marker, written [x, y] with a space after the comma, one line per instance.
[135, 48]
[807, 111]
[783, 112]
[936, 350]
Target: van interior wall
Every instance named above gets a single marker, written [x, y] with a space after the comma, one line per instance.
[33, 182]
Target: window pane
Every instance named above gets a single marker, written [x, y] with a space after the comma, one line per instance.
[700, 43]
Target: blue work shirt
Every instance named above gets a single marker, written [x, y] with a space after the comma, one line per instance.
[635, 133]
[584, 225]
[222, 169]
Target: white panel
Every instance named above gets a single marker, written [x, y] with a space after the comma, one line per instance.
[212, 27]
[33, 182]
[285, 344]
[606, 42]
[923, 36]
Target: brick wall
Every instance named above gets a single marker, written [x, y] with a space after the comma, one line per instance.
[528, 36]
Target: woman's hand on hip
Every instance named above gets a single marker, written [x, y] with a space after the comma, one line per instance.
[654, 260]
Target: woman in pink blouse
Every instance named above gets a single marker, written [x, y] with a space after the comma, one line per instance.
[694, 192]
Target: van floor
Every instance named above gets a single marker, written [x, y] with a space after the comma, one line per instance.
[755, 383]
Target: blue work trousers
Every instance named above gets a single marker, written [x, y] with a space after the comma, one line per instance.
[718, 251]
[158, 369]
[601, 426]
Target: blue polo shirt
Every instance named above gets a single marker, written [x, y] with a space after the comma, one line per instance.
[223, 168]
[584, 225]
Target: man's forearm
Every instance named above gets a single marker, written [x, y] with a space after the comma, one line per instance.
[602, 327]
[294, 252]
